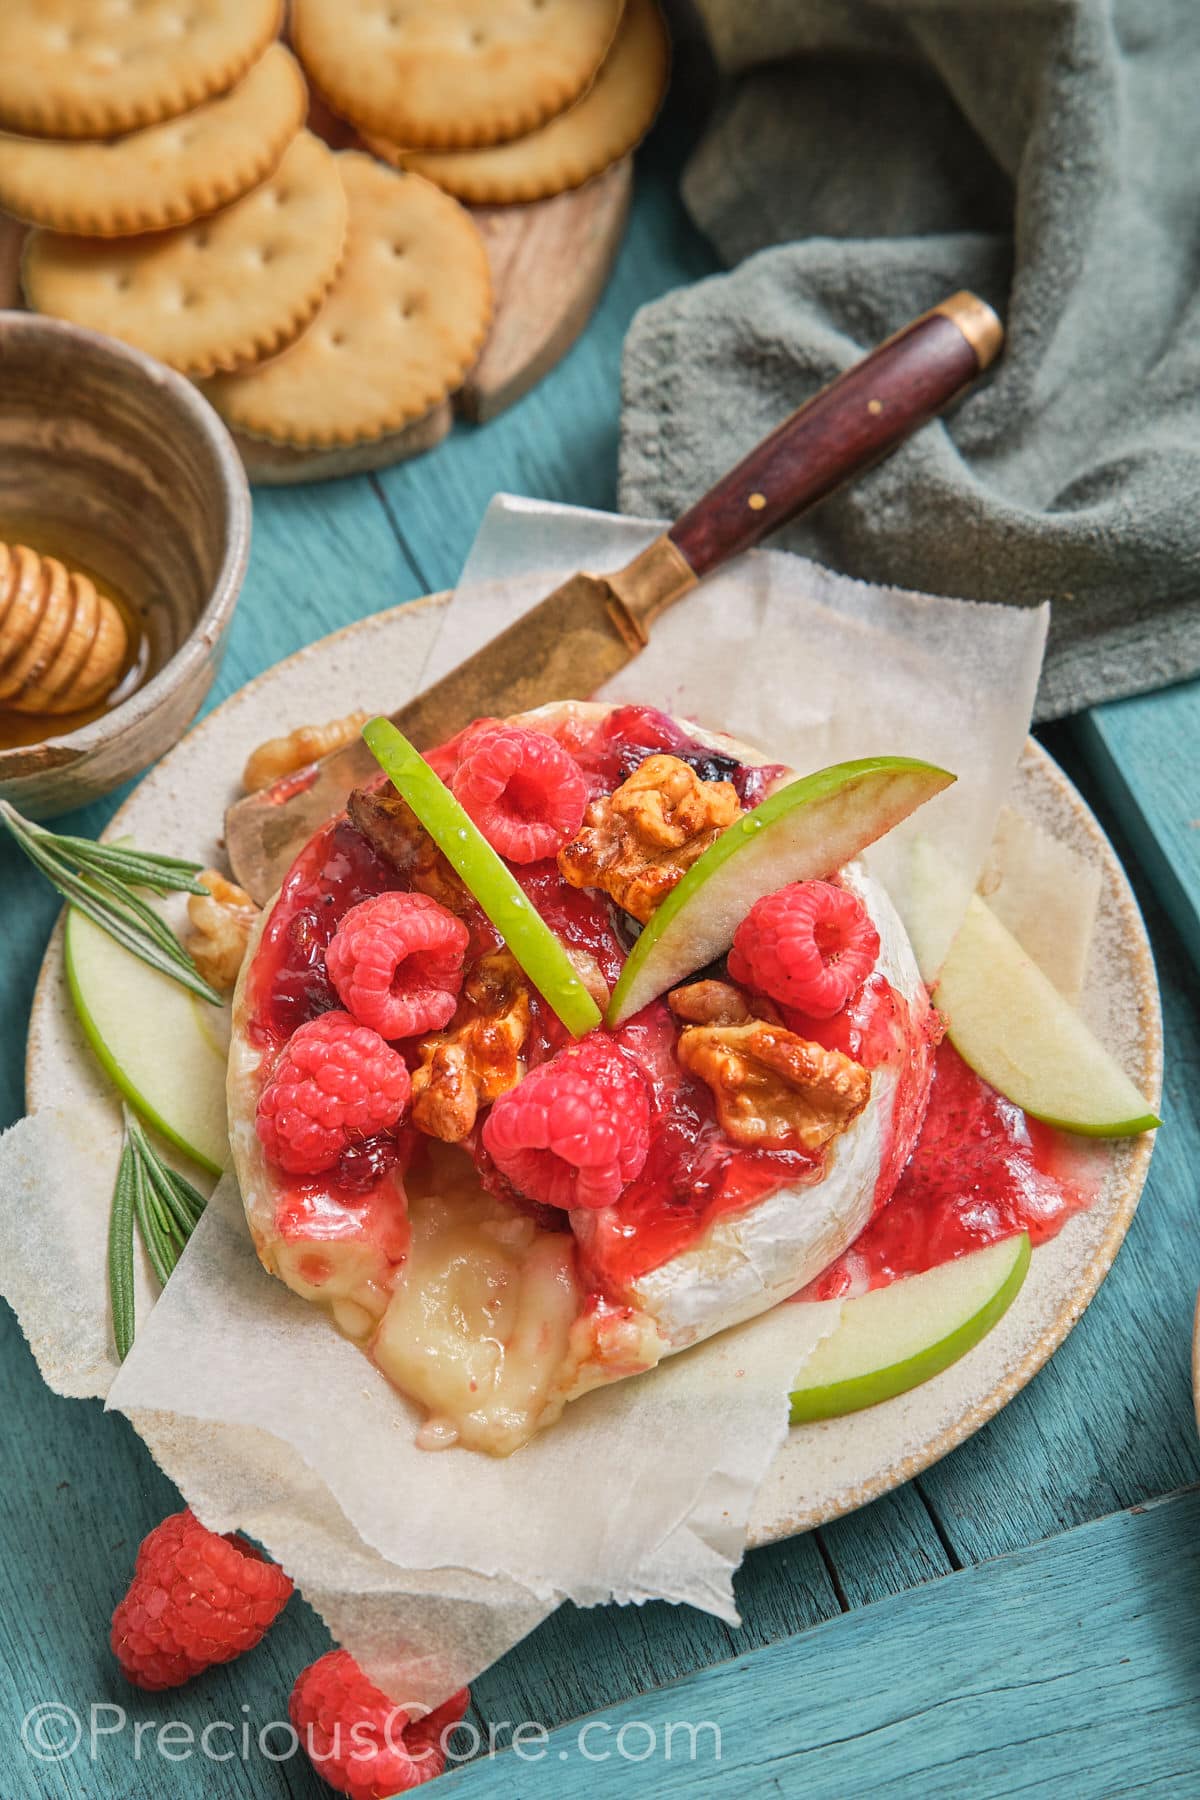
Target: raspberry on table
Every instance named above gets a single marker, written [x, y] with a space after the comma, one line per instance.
[358, 1740]
[811, 945]
[576, 1131]
[196, 1599]
[335, 1082]
[396, 961]
[524, 791]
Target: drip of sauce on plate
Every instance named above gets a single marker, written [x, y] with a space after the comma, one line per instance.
[982, 1170]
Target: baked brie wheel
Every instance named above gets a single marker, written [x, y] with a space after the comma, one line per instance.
[763, 1142]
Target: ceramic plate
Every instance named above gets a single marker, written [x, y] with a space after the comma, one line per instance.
[824, 1469]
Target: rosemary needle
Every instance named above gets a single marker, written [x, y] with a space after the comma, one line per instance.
[102, 880]
[166, 1209]
[120, 1253]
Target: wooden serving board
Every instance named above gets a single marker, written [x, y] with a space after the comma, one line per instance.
[550, 260]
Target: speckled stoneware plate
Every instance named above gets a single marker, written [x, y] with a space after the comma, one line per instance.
[824, 1469]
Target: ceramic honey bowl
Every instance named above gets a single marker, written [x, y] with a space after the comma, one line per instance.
[129, 501]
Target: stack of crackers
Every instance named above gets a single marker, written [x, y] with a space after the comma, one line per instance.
[321, 298]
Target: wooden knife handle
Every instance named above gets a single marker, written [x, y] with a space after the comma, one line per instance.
[856, 420]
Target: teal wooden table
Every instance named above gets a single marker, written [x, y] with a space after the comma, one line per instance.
[1024, 1618]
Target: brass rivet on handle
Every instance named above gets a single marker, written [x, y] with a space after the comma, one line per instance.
[756, 502]
[875, 407]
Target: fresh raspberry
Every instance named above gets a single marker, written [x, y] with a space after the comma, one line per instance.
[358, 1740]
[445, 758]
[576, 1131]
[335, 1083]
[811, 946]
[195, 1599]
[396, 961]
[524, 791]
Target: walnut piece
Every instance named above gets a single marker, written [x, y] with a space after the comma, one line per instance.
[478, 1056]
[638, 842]
[710, 1003]
[282, 756]
[719, 1003]
[392, 826]
[774, 1090]
[219, 927]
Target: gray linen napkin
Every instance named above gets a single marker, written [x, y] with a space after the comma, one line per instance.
[868, 160]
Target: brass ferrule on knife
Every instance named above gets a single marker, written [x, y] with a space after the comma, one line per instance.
[644, 588]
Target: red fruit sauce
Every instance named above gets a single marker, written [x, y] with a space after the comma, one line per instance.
[980, 1171]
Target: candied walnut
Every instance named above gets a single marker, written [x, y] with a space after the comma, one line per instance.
[392, 826]
[719, 1003]
[709, 1003]
[219, 927]
[478, 1056]
[774, 1090]
[638, 842]
[282, 756]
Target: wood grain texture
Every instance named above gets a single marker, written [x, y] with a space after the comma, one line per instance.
[1144, 754]
[282, 465]
[1065, 1669]
[851, 423]
[549, 263]
[1108, 1422]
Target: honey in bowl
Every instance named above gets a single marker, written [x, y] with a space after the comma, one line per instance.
[71, 647]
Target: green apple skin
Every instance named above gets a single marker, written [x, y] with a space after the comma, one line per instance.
[1007, 1020]
[955, 1304]
[808, 829]
[180, 1091]
[540, 953]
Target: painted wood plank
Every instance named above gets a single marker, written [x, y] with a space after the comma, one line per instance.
[580, 1660]
[1065, 1669]
[79, 1492]
[1144, 756]
[1109, 1421]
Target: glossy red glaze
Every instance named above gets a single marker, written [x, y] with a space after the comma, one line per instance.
[695, 1175]
[981, 1171]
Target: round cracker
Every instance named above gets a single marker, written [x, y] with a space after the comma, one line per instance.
[216, 294]
[456, 74]
[165, 174]
[614, 115]
[89, 68]
[402, 325]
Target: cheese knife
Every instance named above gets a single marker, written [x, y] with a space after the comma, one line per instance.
[579, 636]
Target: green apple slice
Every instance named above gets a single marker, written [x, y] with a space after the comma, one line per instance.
[807, 829]
[163, 1047]
[895, 1337]
[540, 953]
[1007, 1019]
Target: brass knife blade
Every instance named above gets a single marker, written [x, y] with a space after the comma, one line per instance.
[562, 649]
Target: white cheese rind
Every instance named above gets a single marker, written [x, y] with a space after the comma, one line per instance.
[742, 1266]
[749, 1262]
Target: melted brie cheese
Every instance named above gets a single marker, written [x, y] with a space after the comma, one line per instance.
[478, 1328]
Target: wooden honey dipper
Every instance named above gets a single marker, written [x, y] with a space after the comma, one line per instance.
[62, 645]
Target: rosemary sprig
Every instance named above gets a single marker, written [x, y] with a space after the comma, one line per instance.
[166, 1208]
[101, 879]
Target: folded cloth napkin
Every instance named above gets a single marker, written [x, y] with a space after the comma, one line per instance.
[868, 160]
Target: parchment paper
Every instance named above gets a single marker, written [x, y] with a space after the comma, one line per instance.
[810, 666]
[428, 1566]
